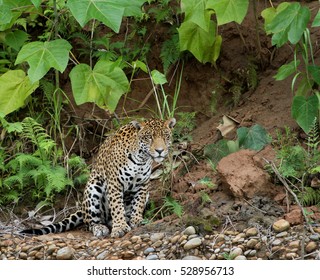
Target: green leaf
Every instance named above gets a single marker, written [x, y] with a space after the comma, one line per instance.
[217, 151]
[103, 85]
[140, 65]
[198, 41]
[158, 78]
[36, 3]
[229, 10]
[5, 14]
[41, 56]
[315, 72]
[110, 12]
[15, 87]
[316, 21]
[254, 138]
[196, 12]
[286, 70]
[16, 39]
[304, 111]
[289, 23]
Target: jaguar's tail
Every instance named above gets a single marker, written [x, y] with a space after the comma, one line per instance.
[68, 223]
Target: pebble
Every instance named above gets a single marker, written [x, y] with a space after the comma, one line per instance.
[251, 232]
[152, 257]
[240, 258]
[315, 237]
[294, 244]
[280, 225]
[252, 243]
[65, 253]
[311, 246]
[189, 231]
[156, 236]
[235, 252]
[191, 258]
[149, 250]
[193, 243]
[276, 242]
[282, 234]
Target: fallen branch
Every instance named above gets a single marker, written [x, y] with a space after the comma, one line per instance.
[285, 184]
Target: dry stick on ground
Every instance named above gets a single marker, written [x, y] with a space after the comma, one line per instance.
[284, 182]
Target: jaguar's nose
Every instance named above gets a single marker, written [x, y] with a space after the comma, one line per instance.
[159, 151]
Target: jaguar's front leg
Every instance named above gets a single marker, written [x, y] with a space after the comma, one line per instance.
[117, 211]
[138, 205]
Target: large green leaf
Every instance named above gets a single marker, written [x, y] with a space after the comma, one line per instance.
[315, 72]
[103, 85]
[198, 41]
[286, 70]
[16, 39]
[254, 138]
[15, 87]
[305, 110]
[110, 12]
[316, 21]
[195, 11]
[288, 23]
[41, 56]
[229, 10]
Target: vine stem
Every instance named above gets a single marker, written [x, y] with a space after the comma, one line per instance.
[287, 187]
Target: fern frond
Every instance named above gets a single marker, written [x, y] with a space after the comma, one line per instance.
[37, 135]
[170, 52]
[309, 196]
[173, 206]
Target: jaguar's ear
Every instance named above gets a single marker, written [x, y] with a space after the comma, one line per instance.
[137, 124]
[171, 122]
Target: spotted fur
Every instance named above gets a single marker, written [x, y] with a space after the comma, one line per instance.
[117, 190]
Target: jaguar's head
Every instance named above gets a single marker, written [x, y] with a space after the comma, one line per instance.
[154, 137]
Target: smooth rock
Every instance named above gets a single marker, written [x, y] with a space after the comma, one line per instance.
[193, 243]
[311, 246]
[189, 230]
[251, 232]
[282, 234]
[65, 253]
[315, 237]
[156, 236]
[149, 250]
[281, 225]
[102, 255]
[276, 242]
[240, 258]
[294, 244]
[191, 258]
[252, 243]
[235, 252]
[152, 257]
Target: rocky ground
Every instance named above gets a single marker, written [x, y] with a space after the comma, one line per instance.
[280, 241]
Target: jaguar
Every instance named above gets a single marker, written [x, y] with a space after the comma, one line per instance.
[117, 190]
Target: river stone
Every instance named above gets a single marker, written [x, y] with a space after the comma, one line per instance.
[240, 258]
[148, 251]
[65, 253]
[276, 242]
[251, 232]
[193, 243]
[280, 225]
[294, 244]
[152, 257]
[102, 255]
[189, 231]
[252, 243]
[235, 252]
[191, 258]
[311, 246]
[315, 237]
[156, 236]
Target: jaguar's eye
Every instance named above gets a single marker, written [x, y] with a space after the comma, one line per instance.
[147, 137]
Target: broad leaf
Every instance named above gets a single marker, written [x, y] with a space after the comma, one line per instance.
[158, 78]
[195, 11]
[286, 70]
[315, 72]
[198, 41]
[215, 152]
[254, 138]
[36, 3]
[42, 56]
[289, 23]
[15, 87]
[5, 14]
[229, 10]
[103, 85]
[110, 12]
[316, 21]
[304, 111]
[16, 39]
